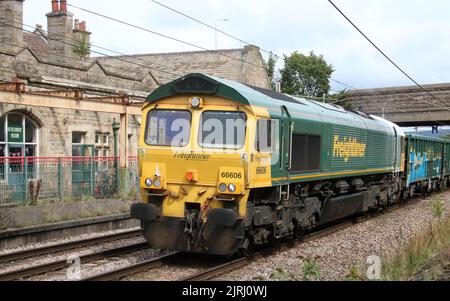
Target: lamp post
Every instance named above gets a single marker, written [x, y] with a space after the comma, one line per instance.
[215, 27]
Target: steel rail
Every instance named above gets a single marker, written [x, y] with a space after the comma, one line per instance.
[23, 254]
[61, 264]
[133, 269]
[219, 270]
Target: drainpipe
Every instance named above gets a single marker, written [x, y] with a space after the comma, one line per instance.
[116, 128]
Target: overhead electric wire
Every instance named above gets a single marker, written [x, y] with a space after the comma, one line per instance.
[389, 59]
[207, 25]
[112, 57]
[344, 84]
[232, 36]
[113, 51]
[163, 35]
[121, 54]
[93, 51]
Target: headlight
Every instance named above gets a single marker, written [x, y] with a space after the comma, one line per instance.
[148, 183]
[157, 183]
[195, 102]
[232, 188]
[223, 187]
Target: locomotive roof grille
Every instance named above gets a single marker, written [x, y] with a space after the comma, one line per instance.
[276, 95]
[197, 83]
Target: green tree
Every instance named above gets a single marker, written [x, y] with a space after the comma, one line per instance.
[82, 48]
[341, 98]
[307, 75]
[270, 66]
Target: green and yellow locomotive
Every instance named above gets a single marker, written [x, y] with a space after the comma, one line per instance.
[224, 166]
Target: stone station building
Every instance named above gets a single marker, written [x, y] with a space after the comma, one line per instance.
[56, 100]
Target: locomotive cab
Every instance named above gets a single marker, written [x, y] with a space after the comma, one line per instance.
[194, 156]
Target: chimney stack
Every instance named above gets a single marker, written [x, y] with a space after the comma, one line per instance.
[11, 19]
[64, 6]
[82, 38]
[55, 6]
[60, 33]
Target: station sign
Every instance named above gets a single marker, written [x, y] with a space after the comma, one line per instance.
[15, 133]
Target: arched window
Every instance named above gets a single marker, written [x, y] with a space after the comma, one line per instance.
[18, 136]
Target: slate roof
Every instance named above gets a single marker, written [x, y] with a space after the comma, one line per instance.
[232, 64]
[37, 43]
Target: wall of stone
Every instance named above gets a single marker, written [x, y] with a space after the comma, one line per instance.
[407, 99]
[57, 125]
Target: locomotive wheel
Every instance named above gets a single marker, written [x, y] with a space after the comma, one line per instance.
[249, 250]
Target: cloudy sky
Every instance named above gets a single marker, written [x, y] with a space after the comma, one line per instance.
[415, 33]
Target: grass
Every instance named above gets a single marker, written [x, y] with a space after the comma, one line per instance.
[419, 252]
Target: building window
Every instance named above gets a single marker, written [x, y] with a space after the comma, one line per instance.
[106, 139]
[78, 137]
[102, 144]
[18, 139]
[79, 149]
[18, 136]
[97, 138]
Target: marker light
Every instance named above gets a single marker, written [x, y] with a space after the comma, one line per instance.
[232, 188]
[148, 183]
[157, 183]
[196, 102]
[223, 187]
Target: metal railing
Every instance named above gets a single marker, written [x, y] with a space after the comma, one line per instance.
[33, 180]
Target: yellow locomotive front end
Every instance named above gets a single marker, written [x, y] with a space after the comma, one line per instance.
[193, 168]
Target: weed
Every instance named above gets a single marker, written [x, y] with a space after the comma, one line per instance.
[310, 270]
[354, 275]
[438, 208]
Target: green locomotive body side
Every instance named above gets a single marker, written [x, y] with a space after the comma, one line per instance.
[351, 143]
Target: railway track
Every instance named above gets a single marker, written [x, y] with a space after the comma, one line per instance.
[206, 274]
[61, 264]
[209, 273]
[24, 254]
[134, 269]
[233, 264]
[219, 270]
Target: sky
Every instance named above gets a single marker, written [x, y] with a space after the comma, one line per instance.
[414, 33]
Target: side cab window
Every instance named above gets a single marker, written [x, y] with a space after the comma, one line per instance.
[266, 135]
